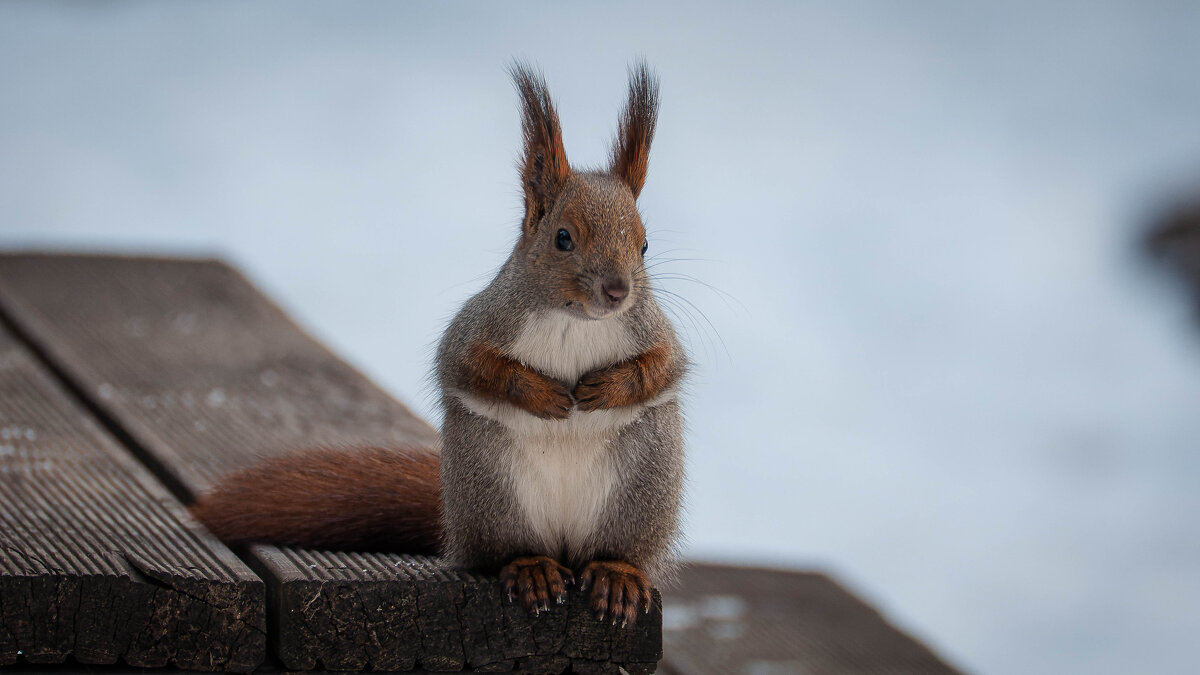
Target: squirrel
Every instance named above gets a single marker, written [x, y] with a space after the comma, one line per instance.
[561, 448]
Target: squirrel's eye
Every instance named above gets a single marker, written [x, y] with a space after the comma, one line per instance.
[563, 241]
[645, 245]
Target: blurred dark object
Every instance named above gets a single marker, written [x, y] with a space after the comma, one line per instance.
[1175, 238]
[720, 619]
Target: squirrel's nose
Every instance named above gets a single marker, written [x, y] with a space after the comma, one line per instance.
[615, 289]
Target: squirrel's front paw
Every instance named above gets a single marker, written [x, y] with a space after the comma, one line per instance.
[619, 590]
[598, 389]
[536, 579]
[550, 399]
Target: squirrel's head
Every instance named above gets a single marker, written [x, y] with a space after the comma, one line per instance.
[582, 238]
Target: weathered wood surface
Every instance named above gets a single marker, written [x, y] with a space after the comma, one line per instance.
[449, 620]
[97, 561]
[193, 368]
[721, 620]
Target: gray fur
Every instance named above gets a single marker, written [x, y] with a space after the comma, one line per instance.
[485, 527]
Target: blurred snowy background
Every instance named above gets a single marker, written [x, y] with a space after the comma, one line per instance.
[937, 363]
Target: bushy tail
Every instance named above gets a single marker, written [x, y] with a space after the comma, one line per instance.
[363, 499]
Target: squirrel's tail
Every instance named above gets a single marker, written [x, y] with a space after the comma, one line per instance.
[365, 499]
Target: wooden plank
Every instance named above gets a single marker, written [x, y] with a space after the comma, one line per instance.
[204, 375]
[200, 370]
[743, 620]
[97, 560]
[449, 620]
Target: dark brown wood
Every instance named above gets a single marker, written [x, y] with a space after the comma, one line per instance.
[722, 620]
[193, 368]
[98, 562]
[449, 619]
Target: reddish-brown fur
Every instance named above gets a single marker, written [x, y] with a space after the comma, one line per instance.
[544, 166]
[492, 375]
[575, 213]
[631, 149]
[631, 382]
[372, 499]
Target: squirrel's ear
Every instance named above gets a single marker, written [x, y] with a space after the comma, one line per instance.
[635, 131]
[544, 167]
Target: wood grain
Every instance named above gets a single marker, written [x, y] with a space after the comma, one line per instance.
[98, 562]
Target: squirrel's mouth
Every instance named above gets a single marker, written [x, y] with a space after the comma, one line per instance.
[599, 311]
[586, 310]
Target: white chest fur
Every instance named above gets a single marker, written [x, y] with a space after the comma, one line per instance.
[562, 471]
[566, 347]
[562, 480]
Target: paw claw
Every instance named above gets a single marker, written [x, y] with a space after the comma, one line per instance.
[535, 579]
[618, 591]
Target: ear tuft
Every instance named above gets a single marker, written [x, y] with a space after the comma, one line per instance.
[635, 130]
[543, 164]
